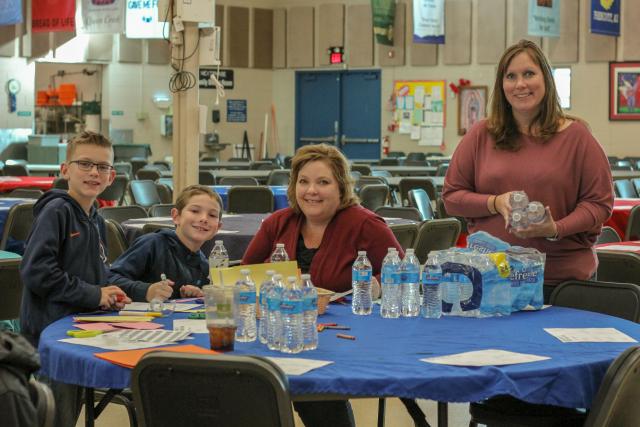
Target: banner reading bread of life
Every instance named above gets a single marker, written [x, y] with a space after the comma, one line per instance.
[10, 12]
[428, 21]
[544, 18]
[605, 17]
[53, 15]
[102, 16]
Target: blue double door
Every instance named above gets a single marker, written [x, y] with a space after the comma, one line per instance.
[341, 108]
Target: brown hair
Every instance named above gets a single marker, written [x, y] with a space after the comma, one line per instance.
[88, 138]
[336, 162]
[501, 124]
[196, 190]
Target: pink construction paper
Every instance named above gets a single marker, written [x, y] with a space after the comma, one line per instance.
[95, 326]
[138, 325]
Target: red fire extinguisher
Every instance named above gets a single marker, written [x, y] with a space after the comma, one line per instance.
[386, 145]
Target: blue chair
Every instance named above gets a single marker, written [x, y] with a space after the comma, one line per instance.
[625, 189]
[419, 199]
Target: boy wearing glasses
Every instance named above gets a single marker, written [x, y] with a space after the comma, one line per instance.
[64, 268]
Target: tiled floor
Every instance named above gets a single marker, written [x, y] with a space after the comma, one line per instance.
[365, 410]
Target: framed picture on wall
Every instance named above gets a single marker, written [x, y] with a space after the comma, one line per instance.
[472, 106]
[624, 91]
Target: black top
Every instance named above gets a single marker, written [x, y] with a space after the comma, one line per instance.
[304, 255]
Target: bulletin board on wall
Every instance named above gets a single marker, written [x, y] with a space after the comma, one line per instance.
[420, 110]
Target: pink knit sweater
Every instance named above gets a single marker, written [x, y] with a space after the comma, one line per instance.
[569, 173]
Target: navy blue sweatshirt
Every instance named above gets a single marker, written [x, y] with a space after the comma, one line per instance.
[156, 253]
[64, 263]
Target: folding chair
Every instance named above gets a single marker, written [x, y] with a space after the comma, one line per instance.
[17, 228]
[608, 235]
[163, 209]
[363, 169]
[625, 189]
[416, 156]
[153, 227]
[165, 192]
[44, 403]
[163, 385]
[116, 190]
[399, 212]
[10, 288]
[407, 184]
[206, 177]
[144, 193]
[419, 199]
[116, 241]
[15, 169]
[148, 173]
[250, 199]
[405, 234]
[26, 193]
[60, 183]
[279, 177]
[436, 234]
[122, 213]
[633, 225]
[238, 180]
[618, 266]
[615, 299]
[374, 196]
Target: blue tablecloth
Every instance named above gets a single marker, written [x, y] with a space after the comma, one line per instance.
[280, 200]
[385, 358]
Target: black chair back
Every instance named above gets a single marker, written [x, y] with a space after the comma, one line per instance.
[373, 196]
[363, 169]
[163, 381]
[144, 193]
[442, 169]
[615, 299]
[163, 209]
[17, 228]
[399, 212]
[15, 170]
[116, 190]
[419, 199]
[250, 199]
[279, 177]
[153, 227]
[165, 192]
[616, 404]
[618, 266]
[26, 193]
[116, 240]
[162, 165]
[405, 234]
[10, 289]
[206, 177]
[407, 184]
[149, 174]
[608, 235]
[122, 213]
[396, 154]
[238, 180]
[436, 234]
[625, 189]
[389, 161]
[123, 168]
[44, 402]
[60, 183]
[416, 156]
[137, 163]
[633, 225]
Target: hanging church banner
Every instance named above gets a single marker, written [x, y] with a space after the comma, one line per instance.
[605, 17]
[428, 21]
[102, 16]
[53, 15]
[384, 13]
[544, 18]
[142, 20]
[10, 12]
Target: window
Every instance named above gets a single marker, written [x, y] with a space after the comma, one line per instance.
[562, 77]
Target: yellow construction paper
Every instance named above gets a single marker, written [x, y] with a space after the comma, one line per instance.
[229, 276]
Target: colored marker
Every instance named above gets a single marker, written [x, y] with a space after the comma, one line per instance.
[346, 337]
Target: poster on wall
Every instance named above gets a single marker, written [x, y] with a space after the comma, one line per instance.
[384, 13]
[102, 16]
[544, 18]
[224, 76]
[420, 110]
[428, 21]
[53, 15]
[142, 20]
[605, 17]
[236, 110]
[10, 12]
[624, 87]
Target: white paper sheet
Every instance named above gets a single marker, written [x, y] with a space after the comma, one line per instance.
[489, 357]
[530, 308]
[298, 366]
[144, 306]
[196, 326]
[431, 135]
[589, 335]
[113, 341]
[415, 132]
[155, 335]
[624, 248]
[227, 231]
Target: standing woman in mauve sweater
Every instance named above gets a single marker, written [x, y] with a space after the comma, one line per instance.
[529, 144]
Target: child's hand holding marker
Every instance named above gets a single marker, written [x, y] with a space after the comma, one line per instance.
[161, 290]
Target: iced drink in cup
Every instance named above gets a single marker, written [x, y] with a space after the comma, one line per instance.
[220, 310]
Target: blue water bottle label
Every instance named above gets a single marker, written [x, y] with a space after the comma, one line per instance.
[247, 298]
[309, 304]
[360, 275]
[411, 277]
[291, 307]
[273, 304]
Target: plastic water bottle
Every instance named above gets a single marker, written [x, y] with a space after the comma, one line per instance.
[431, 294]
[518, 200]
[274, 319]
[361, 283]
[244, 296]
[291, 309]
[390, 307]
[518, 219]
[536, 213]
[410, 288]
[310, 313]
[218, 258]
[279, 254]
[265, 287]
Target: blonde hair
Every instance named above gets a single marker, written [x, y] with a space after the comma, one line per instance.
[196, 190]
[88, 138]
[338, 164]
[501, 124]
